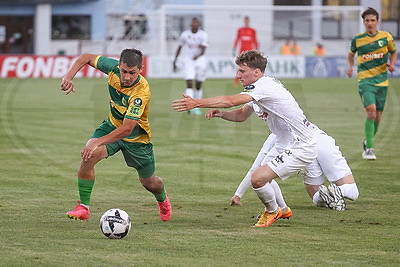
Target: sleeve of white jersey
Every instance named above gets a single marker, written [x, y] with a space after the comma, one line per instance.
[182, 40]
[255, 91]
[205, 39]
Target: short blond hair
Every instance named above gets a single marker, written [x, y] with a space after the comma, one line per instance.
[253, 59]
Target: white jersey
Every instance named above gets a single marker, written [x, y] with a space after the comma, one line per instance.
[279, 109]
[192, 42]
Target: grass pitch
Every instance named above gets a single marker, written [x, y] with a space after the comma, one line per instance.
[42, 132]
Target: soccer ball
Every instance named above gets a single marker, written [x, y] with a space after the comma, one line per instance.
[115, 223]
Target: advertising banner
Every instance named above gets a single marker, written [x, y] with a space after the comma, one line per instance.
[225, 67]
[331, 67]
[20, 66]
[324, 67]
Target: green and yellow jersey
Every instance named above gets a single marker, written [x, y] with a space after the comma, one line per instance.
[131, 101]
[372, 57]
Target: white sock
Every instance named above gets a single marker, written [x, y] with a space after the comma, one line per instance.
[349, 191]
[318, 202]
[278, 195]
[198, 94]
[86, 206]
[267, 196]
[189, 92]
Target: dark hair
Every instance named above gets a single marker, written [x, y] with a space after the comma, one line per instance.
[370, 11]
[253, 59]
[131, 57]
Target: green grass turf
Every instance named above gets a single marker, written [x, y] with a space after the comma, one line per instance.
[42, 132]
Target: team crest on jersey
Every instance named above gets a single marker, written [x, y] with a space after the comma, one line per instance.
[137, 102]
[380, 43]
[135, 111]
[248, 88]
[123, 102]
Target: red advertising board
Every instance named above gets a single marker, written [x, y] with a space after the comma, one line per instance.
[27, 66]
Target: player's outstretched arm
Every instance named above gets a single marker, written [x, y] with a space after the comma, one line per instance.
[188, 103]
[66, 83]
[237, 115]
[117, 134]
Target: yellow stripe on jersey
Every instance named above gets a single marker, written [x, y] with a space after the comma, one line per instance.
[140, 139]
[371, 72]
[96, 60]
[384, 83]
[120, 109]
[369, 39]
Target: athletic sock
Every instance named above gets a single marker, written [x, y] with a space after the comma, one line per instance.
[369, 129]
[376, 124]
[349, 191]
[85, 188]
[318, 202]
[267, 196]
[162, 196]
[198, 94]
[189, 92]
[278, 195]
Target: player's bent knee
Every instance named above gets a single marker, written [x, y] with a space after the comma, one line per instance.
[262, 176]
[257, 179]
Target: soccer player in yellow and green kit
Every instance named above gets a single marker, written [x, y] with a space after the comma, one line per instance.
[126, 128]
[373, 48]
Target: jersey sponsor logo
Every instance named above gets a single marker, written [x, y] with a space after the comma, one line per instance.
[137, 102]
[248, 88]
[372, 56]
[135, 111]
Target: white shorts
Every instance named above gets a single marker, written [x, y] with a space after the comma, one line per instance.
[195, 69]
[290, 160]
[330, 162]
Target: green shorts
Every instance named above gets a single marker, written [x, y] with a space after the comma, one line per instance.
[137, 155]
[371, 94]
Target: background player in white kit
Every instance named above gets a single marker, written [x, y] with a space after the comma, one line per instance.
[295, 146]
[194, 43]
[330, 162]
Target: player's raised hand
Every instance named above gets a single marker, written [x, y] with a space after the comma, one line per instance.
[186, 103]
[214, 113]
[67, 86]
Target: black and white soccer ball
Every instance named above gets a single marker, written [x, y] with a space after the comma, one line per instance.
[115, 223]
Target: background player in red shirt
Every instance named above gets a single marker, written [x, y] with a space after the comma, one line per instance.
[247, 38]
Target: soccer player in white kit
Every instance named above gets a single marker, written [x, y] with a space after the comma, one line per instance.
[295, 146]
[194, 43]
[330, 162]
